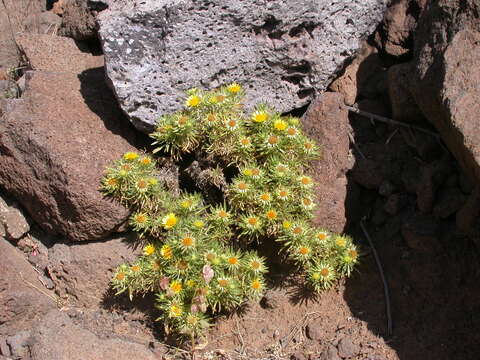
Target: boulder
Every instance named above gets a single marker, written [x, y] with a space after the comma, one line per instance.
[82, 273]
[356, 74]
[444, 80]
[326, 121]
[13, 224]
[78, 20]
[23, 298]
[57, 337]
[13, 13]
[57, 141]
[395, 35]
[283, 52]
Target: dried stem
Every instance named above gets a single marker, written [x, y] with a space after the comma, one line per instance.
[384, 280]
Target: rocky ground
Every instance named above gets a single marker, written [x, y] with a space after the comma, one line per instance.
[413, 186]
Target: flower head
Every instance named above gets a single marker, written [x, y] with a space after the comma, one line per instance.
[176, 287]
[175, 311]
[193, 100]
[280, 125]
[169, 221]
[148, 250]
[256, 285]
[231, 124]
[305, 181]
[271, 215]
[245, 142]
[130, 156]
[283, 193]
[166, 252]
[259, 116]
[291, 132]
[234, 88]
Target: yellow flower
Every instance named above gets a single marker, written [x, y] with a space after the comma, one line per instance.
[135, 268]
[322, 236]
[280, 125]
[325, 272]
[245, 141]
[234, 88]
[304, 250]
[287, 224]
[190, 283]
[242, 186]
[222, 214]
[175, 311]
[149, 250]
[166, 252]
[256, 285]
[223, 282]
[247, 172]
[130, 156]
[142, 185]
[340, 241]
[233, 260]
[193, 101]
[198, 224]
[305, 180]
[112, 182]
[152, 181]
[259, 116]
[169, 221]
[186, 203]
[120, 276]
[316, 276]
[353, 254]
[140, 218]
[291, 131]
[176, 287]
[146, 161]
[187, 241]
[271, 215]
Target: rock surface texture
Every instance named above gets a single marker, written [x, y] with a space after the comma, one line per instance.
[284, 52]
[326, 121]
[57, 140]
[444, 79]
[76, 343]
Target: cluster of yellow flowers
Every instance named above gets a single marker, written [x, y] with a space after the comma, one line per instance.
[189, 259]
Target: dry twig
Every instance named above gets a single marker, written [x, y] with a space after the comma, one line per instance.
[384, 280]
[373, 117]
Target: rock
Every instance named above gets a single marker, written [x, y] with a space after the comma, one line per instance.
[298, 355]
[398, 26]
[78, 21]
[431, 178]
[20, 303]
[467, 217]
[404, 107]
[314, 332]
[68, 56]
[356, 74]
[293, 49]
[395, 203]
[12, 17]
[326, 121]
[443, 82]
[449, 201]
[330, 354]
[420, 232]
[367, 173]
[42, 23]
[386, 188]
[82, 272]
[347, 349]
[56, 143]
[13, 224]
[18, 344]
[72, 342]
[4, 349]
[269, 301]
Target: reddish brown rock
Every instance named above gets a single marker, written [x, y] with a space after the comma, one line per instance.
[445, 78]
[67, 57]
[78, 20]
[82, 273]
[57, 337]
[398, 26]
[21, 304]
[56, 142]
[326, 121]
[356, 75]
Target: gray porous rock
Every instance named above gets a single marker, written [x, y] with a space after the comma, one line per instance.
[283, 52]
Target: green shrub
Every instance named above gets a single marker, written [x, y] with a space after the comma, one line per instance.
[195, 258]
